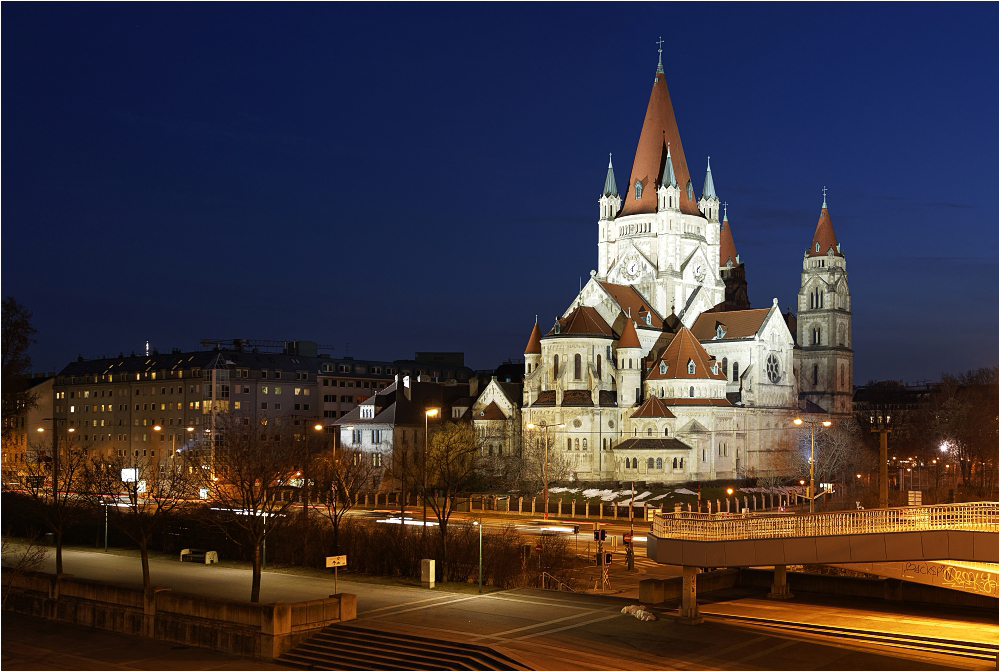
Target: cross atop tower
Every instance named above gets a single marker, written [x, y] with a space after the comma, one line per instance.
[659, 66]
[824, 198]
[725, 212]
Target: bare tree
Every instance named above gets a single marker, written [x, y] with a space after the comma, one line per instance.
[256, 467]
[139, 493]
[54, 502]
[340, 478]
[532, 464]
[17, 336]
[21, 557]
[781, 460]
[447, 471]
[841, 451]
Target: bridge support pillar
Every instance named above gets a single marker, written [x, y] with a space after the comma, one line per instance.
[688, 613]
[779, 589]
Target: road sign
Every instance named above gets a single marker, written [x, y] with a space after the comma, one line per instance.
[336, 561]
[538, 548]
[627, 538]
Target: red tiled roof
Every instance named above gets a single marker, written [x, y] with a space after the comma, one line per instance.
[545, 398]
[685, 348]
[632, 303]
[577, 398]
[697, 401]
[727, 246]
[491, 412]
[652, 444]
[737, 323]
[824, 236]
[607, 398]
[653, 408]
[629, 338]
[658, 129]
[583, 321]
[534, 342]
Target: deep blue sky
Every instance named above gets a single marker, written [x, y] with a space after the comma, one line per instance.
[425, 177]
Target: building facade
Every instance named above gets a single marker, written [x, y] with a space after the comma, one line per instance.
[659, 370]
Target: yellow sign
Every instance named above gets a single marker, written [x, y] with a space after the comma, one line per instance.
[336, 561]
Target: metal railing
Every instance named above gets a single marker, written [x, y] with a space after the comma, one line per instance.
[975, 516]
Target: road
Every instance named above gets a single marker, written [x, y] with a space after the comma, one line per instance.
[558, 630]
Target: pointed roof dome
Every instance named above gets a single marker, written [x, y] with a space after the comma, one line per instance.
[653, 408]
[583, 321]
[659, 129]
[824, 238]
[629, 339]
[727, 246]
[683, 349]
[708, 191]
[610, 188]
[534, 342]
[669, 178]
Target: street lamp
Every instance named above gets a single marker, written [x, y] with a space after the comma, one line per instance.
[812, 457]
[173, 451]
[532, 425]
[428, 414]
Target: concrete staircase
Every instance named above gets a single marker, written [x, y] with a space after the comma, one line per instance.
[347, 647]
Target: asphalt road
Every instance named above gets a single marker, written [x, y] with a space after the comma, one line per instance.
[558, 630]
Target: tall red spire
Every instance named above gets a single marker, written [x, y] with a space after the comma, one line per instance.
[534, 342]
[629, 339]
[824, 238]
[727, 246]
[658, 130]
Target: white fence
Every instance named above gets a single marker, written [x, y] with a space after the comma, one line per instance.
[975, 516]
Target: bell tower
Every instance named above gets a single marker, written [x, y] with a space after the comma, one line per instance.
[825, 358]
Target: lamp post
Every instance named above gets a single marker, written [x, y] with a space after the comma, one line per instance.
[532, 425]
[812, 457]
[173, 447]
[428, 414]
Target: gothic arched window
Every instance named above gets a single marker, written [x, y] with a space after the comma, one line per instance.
[649, 463]
[675, 463]
[576, 367]
[725, 366]
[666, 432]
[659, 463]
[691, 391]
[736, 372]
[635, 463]
[555, 366]
[649, 431]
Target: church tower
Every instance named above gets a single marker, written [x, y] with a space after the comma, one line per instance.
[610, 203]
[825, 359]
[731, 268]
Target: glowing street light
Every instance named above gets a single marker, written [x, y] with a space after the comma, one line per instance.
[812, 457]
[532, 425]
[428, 414]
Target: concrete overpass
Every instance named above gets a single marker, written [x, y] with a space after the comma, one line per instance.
[952, 532]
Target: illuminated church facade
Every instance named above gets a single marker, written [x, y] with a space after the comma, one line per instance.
[660, 370]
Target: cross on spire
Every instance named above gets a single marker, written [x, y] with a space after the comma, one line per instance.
[659, 66]
[824, 198]
[725, 211]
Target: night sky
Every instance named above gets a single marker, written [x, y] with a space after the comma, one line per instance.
[425, 177]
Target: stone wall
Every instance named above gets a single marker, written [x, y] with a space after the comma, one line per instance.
[233, 626]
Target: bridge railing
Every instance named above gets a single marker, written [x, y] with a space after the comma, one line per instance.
[976, 516]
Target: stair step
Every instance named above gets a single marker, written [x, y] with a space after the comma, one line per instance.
[353, 648]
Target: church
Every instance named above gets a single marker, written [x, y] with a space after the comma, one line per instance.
[660, 370]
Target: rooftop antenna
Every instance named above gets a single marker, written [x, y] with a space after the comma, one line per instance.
[147, 342]
[347, 349]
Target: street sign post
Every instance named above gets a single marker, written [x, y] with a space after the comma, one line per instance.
[336, 561]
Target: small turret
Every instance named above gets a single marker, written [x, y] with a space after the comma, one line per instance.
[709, 203]
[629, 366]
[610, 200]
[669, 195]
[533, 352]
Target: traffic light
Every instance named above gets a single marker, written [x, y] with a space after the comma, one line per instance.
[607, 559]
[576, 529]
[600, 535]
